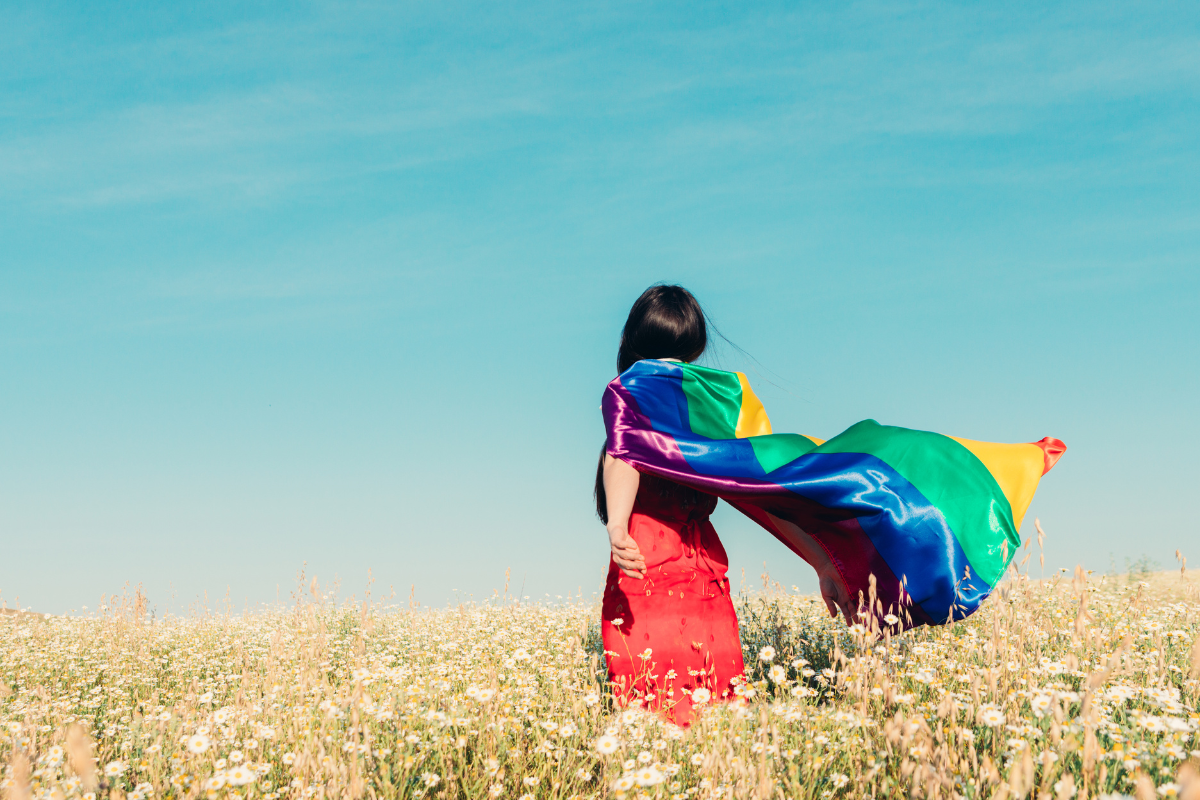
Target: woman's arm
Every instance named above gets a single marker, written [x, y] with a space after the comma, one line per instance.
[620, 490]
[833, 590]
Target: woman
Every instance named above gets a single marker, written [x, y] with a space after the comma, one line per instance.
[670, 632]
[669, 628]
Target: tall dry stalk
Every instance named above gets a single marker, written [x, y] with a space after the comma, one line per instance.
[1053, 687]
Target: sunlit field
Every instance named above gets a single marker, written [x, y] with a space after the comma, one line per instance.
[1073, 686]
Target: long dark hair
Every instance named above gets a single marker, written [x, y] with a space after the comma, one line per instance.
[665, 322]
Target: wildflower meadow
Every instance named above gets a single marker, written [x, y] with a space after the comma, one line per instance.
[1070, 686]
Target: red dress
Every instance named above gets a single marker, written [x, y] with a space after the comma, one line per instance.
[680, 613]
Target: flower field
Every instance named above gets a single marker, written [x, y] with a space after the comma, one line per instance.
[1070, 687]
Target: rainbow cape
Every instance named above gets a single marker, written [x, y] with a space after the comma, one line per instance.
[933, 518]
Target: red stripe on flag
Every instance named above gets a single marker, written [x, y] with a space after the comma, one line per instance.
[1052, 450]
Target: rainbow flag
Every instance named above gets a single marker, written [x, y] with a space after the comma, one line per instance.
[933, 518]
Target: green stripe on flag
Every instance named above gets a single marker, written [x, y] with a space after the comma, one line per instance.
[952, 479]
[777, 449]
[714, 401]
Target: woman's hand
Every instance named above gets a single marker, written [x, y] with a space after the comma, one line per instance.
[625, 552]
[621, 488]
[834, 593]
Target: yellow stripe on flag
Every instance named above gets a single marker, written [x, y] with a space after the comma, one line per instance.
[752, 418]
[1016, 467]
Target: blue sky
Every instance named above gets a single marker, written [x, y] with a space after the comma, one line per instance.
[341, 285]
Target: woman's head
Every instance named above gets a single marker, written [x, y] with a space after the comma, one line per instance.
[665, 322]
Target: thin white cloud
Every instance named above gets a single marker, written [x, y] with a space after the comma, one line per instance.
[635, 98]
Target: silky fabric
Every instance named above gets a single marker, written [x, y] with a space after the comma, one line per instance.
[919, 526]
[674, 630]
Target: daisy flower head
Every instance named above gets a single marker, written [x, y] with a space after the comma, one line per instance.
[991, 716]
[1065, 789]
[240, 776]
[701, 696]
[767, 654]
[648, 776]
[198, 744]
[623, 783]
[607, 745]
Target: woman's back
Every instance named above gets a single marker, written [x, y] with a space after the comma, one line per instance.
[668, 500]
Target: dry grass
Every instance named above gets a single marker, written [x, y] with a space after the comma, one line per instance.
[1068, 687]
